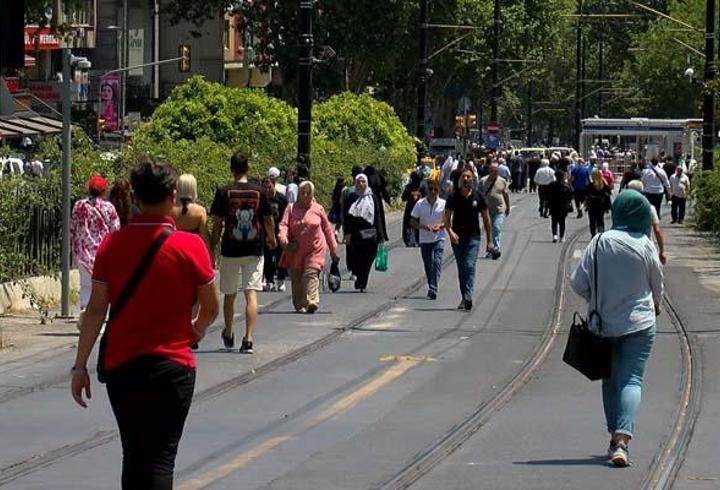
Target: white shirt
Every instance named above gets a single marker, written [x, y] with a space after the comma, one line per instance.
[544, 176]
[504, 172]
[429, 214]
[654, 183]
[445, 174]
[679, 186]
[291, 193]
[280, 188]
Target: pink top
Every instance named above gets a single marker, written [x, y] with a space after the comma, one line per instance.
[608, 177]
[312, 231]
[91, 220]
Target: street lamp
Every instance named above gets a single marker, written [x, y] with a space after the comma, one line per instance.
[305, 61]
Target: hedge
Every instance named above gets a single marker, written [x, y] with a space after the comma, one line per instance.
[707, 200]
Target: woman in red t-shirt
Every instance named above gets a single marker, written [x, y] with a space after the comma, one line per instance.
[147, 362]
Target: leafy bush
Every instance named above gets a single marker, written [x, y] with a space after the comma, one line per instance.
[707, 200]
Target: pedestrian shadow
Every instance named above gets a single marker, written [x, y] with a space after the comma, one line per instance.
[436, 309]
[589, 461]
[60, 334]
[293, 312]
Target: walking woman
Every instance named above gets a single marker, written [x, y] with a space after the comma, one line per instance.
[412, 193]
[272, 272]
[121, 198]
[364, 229]
[597, 202]
[147, 362]
[627, 298]
[92, 219]
[305, 233]
[559, 200]
[188, 215]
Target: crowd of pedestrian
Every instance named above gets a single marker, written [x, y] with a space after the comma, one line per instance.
[147, 254]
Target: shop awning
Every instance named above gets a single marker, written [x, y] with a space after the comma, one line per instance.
[19, 126]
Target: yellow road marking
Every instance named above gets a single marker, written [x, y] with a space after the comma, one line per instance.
[401, 365]
[235, 464]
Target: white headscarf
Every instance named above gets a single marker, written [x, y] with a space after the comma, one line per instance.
[364, 207]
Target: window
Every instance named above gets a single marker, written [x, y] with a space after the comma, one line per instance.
[226, 34]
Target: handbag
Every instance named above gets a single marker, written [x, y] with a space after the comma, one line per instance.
[381, 258]
[334, 279]
[135, 279]
[368, 234]
[587, 351]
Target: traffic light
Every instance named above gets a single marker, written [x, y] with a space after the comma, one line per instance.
[184, 63]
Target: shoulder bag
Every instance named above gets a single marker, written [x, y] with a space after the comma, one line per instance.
[126, 294]
[587, 351]
[667, 190]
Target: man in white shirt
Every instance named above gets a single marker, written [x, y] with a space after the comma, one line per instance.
[427, 216]
[446, 183]
[274, 173]
[544, 177]
[679, 189]
[656, 183]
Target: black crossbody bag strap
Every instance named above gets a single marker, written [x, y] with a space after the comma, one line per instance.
[137, 277]
[595, 311]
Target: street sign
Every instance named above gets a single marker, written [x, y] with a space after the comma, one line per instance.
[492, 127]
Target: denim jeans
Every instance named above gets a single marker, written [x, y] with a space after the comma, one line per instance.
[466, 252]
[497, 220]
[432, 256]
[622, 390]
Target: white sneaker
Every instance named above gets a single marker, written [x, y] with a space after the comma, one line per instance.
[555, 238]
[281, 286]
[562, 240]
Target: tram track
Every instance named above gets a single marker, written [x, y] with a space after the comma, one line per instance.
[37, 462]
[426, 459]
[669, 459]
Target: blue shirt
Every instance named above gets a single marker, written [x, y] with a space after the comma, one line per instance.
[580, 177]
[630, 282]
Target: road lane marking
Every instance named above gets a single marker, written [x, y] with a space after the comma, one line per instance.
[400, 366]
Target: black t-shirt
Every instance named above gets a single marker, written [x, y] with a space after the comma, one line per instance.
[243, 207]
[278, 203]
[466, 213]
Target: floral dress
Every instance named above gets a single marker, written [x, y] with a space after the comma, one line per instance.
[92, 219]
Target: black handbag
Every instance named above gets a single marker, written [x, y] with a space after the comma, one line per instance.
[125, 295]
[587, 351]
[334, 280]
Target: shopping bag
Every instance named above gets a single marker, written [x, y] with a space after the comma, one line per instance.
[588, 352]
[334, 279]
[381, 258]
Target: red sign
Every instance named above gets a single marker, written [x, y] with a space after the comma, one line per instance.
[41, 39]
[493, 127]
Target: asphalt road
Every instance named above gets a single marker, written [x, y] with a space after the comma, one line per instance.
[366, 391]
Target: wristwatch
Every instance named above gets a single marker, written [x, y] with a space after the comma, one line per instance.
[78, 370]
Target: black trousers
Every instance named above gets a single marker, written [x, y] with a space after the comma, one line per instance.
[271, 271]
[655, 200]
[677, 208]
[597, 221]
[150, 397]
[362, 259]
[558, 221]
[543, 203]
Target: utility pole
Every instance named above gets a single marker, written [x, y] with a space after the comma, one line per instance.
[422, 73]
[66, 147]
[304, 125]
[708, 137]
[578, 80]
[601, 69]
[496, 54]
[531, 86]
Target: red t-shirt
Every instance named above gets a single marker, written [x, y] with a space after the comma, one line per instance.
[157, 318]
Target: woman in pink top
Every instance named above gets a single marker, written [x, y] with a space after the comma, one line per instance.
[305, 233]
[92, 218]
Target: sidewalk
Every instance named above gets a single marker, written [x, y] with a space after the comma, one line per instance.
[692, 280]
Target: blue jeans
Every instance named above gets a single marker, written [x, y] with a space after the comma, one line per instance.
[622, 390]
[432, 256]
[497, 221]
[466, 252]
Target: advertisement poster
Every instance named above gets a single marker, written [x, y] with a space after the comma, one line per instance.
[109, 101]
[136, 50]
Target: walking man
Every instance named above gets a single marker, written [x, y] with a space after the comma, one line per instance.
[462, 222]
[544, 177]
[243, 215]
[656, 184]
[495, 191]
[680, 189]
[428, 217]
[580, 180]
